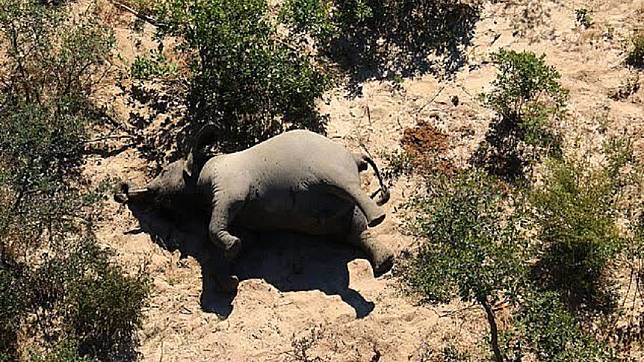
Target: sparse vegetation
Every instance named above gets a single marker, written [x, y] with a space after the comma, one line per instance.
[629, 86]
[302, 346]
[154, 66]
[583, 17]
[635, 55]
[55, 281]
[399, 163]
[528, 100]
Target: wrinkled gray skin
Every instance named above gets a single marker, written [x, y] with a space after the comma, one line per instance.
[298, 181]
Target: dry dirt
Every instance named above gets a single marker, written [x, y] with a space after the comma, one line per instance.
[296, 290]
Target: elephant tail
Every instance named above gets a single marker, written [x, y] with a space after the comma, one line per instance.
[362, 160]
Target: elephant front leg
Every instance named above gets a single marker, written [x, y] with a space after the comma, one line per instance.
[230, 244]
[219, 233]
[225, 280]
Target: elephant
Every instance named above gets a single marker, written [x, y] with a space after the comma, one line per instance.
[298, 181]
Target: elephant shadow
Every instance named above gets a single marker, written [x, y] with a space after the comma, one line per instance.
[288, 261]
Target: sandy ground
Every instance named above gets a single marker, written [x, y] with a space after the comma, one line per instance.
[295, 290]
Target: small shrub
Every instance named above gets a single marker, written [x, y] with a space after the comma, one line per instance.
[102, 305]
[528, 99]
[246, 81]
[12, 309]
[450, 353]
[635, 56]
[64, 351]
[628, 87]
[398, 163]
[583, 17]
[554, 334]
[81, 295]
[154, 66]
[302, 346]
[577, 210]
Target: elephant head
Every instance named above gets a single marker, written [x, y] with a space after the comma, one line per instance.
[175, 184]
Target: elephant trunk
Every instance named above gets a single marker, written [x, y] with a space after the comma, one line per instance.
[127, 194]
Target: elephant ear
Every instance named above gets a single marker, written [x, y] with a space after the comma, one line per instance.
[195, 158]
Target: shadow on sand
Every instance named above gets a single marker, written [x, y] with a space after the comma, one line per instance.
[404, 39]
[289, 262]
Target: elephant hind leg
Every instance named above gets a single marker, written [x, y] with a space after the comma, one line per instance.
[374, 213]
[363, 160]
[352, 191]
[380, 256]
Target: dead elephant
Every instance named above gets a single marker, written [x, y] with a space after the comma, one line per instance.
[298, 181]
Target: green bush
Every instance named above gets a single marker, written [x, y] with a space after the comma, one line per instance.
[553, 333]
[95, 302]
[12, 310]
[55, 282]
[528, 99]
[476, 245]
[64, 351]
[576, 218]
[471, 246]
[154, 66]
[636, 54]
[583, 17]
[246, 80]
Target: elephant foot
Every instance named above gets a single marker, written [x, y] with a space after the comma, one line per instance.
[232, 248]
[382, 265]
[377, 219]
[227, 284]
[381, 257]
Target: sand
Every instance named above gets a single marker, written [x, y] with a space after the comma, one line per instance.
[323, 297]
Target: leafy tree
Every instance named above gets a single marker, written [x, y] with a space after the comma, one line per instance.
[528, 100]
[246, 80]
[471, 248]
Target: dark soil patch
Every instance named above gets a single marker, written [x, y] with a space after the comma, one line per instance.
[427, 147]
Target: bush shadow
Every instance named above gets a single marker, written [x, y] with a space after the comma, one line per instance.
[290, 262]
[498, 154]
[404, 39]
